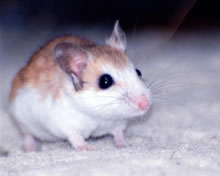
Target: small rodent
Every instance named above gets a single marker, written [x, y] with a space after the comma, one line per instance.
[72, 89]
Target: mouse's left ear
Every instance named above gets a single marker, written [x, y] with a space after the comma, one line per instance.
[72, 59]
[117, 38]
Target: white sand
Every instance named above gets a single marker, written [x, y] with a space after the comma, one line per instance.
[180, 137]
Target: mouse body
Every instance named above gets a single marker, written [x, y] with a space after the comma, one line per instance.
[72, 89]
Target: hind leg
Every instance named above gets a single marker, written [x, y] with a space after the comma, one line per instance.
[30, 144]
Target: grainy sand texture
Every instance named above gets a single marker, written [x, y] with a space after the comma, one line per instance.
[180, 136]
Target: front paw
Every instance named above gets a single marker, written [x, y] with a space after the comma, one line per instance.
[29, 143]
[119, 139]
[85, 147]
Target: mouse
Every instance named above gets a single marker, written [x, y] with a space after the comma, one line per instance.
[74, 89]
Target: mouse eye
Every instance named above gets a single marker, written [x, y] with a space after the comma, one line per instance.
[138, 73]
[105, 81]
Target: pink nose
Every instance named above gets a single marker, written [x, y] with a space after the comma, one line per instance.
[142, 102]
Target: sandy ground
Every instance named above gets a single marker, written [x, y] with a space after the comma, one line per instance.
[180, 136]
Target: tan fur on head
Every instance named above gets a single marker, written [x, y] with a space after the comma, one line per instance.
[108, 55]
[43, 73]
[100, 57]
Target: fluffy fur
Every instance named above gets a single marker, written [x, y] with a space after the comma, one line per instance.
[45, 105]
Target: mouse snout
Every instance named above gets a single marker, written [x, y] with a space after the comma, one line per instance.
[142, 102]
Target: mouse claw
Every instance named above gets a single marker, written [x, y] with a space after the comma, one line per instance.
[78, 142]
[85, 147]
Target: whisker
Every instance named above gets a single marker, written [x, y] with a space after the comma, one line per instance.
[99, 107]
[181, 76]
[167, 88]
[155, 98]
[168, 83]
[160, 102]
[166, 79]
[160, 106]
[119, 91]
[135, 29]
[182, 86]
[157, 107]
[107, 97]
[164, 71]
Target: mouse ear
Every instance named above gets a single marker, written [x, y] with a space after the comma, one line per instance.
[117, 38]
[72, 59]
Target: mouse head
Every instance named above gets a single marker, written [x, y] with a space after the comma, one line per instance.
[106, 83]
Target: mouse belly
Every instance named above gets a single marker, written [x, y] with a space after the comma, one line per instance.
[48, 119]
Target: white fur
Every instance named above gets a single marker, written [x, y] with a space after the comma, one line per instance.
[109, 103]
[88, 113]
[47, 118]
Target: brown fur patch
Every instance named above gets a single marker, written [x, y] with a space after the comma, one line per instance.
[43, 72]
[90, 75]
[106, 55]
[100, 56]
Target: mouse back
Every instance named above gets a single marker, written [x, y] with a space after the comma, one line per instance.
[42, 70]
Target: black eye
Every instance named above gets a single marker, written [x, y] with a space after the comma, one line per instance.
[138, 72]
[105, 81]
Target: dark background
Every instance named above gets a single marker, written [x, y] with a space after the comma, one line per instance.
[140, 13]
